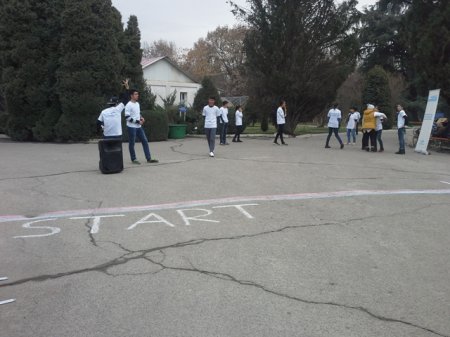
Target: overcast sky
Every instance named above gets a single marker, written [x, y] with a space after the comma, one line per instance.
[181, 21]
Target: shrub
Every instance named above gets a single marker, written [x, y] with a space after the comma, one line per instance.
[156, 125]
[3, 121]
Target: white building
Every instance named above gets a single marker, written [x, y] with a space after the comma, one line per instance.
[164, 77]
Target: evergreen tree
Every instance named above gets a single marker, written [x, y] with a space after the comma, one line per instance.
[88, 71]
[207, 90]
[28, 46]
[133, 56]
[376, 91]
[427, 31]
[299, 50]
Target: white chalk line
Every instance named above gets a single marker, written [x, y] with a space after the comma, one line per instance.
[6, 301]
[219, 201]
[445, 182]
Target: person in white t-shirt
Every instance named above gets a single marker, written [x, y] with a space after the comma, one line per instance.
[238, 118]
[402, 120]
[110, 120]
[211, 112]
[223, 120]
[281, 121]
[334, 119]
[380, 118]
[135, 130]
[351, 126]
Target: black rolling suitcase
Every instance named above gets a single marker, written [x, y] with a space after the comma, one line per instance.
[111, 157]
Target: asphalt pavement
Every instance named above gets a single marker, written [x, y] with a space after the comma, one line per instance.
[262, 240]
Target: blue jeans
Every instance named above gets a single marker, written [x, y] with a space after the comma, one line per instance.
[379, 133]
[223, 133]
[351, 132]
[140, 134]
[211, 138]
[401, 138]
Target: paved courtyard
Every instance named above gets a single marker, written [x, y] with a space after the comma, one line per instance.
[262, 240]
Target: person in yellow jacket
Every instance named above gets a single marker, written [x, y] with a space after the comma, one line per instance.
[368, 129]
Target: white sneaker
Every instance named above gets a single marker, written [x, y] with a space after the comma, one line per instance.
[211, 154]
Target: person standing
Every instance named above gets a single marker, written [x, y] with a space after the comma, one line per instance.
[351, 126]
[380, 118]
[135, 129]
[223, 118]
[238, 118]
[334, 119]
[358, 118]
[110, 118]
[368, 129]
[211, 112]
[402, 120]
[281, 121]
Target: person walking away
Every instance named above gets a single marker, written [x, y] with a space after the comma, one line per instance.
[281, 121]
[223, 118]
[334, 119]
[351, 126]
[238, 118]
[135, 130]
[402, 120]
[380, 118]
[368, 128]
[211, 112]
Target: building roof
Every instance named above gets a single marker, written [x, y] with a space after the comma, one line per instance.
[146, 62]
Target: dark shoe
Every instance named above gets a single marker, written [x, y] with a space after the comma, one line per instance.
[137, 162]
[239, 141]
[373, 150]
[400, 152]
[276, 143]
[234, 140]
[342, 146]
[152, 161]
[327, 146]
[381, 150]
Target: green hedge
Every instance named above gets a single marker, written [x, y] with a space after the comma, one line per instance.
[156, 125]
[3, 121]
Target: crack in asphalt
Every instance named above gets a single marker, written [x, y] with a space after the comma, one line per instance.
[131, 255]
[231, 278]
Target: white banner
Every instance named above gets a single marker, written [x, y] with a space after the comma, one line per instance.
[428, 120]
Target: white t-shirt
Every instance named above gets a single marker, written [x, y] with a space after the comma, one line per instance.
[379, 120]
[111, 118]
[357, 115]
[281, 118]
[352, 121]
[400, 119]
[224, 114]
[334, 115]
[211, 113]
[133, 110]
[239, 115]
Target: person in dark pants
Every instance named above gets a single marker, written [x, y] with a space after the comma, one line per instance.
[281, 121]
[223, 119]
[380, 118]
[238, 117]
[334, 119]
[368, 128]
[402, 120]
